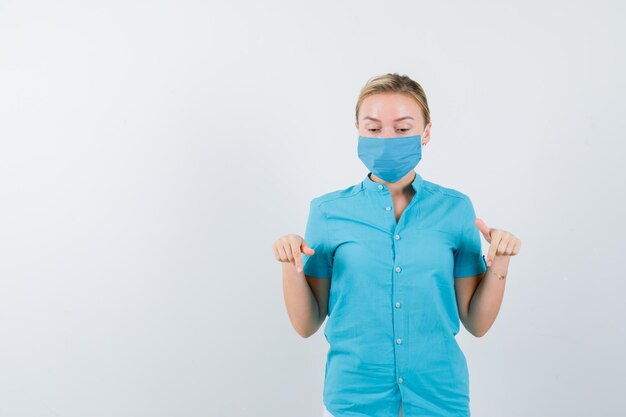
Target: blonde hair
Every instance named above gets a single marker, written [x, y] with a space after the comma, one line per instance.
[396, 83]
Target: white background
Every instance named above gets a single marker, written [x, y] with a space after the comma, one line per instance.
[151, 153]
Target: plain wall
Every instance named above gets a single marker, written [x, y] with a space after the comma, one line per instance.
[152, 152]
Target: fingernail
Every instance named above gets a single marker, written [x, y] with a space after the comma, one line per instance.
[299, 269]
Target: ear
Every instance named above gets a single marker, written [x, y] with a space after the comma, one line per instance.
[427, 133]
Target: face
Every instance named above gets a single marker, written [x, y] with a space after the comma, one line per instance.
[387, 115]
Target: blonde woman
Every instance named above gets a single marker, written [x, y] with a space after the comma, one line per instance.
[395, 262]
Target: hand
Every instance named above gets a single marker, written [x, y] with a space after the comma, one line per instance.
[289, 248]
[502, 243]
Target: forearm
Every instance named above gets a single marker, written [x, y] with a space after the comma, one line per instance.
[302, 306]
[487, 299]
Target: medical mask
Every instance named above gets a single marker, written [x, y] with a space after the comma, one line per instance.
[390, 158]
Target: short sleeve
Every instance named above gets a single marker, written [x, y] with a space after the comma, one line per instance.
[319, 264]
[468, 258]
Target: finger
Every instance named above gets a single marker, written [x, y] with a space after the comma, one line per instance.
[504, 242]
[287, 248]
[510, 246]
[275, 252]
[517, 247]
[297, 255]
[482, 226]
[282, 253]
[306, 248]
[495, 240]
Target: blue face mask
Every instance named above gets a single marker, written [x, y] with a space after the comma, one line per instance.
[390, 158]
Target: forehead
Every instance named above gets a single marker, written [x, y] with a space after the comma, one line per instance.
[390, 106]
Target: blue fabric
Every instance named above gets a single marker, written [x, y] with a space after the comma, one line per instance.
[390, 158]
[392, 313]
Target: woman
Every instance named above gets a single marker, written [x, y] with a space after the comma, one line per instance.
[395, 262]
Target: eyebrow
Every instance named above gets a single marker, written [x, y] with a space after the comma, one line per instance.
[397, 120]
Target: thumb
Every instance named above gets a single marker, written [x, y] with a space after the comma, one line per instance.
[482, 226]
[306, 249]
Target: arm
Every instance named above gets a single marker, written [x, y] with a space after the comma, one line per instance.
[479, 282]
[306, 299]
[307, 273]
[479, 297]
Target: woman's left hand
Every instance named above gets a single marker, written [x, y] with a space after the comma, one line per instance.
[502, 243]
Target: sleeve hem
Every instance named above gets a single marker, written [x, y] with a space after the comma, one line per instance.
[471, 270]
[313, 276]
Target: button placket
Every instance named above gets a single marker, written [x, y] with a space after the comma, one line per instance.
[397, 293]
[399, 321]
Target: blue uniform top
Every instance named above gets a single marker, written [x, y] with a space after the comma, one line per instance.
[392, 312]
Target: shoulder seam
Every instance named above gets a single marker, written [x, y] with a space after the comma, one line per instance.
[336, 197]
[444, 190]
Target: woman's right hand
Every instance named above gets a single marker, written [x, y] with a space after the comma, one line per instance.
[289, 248]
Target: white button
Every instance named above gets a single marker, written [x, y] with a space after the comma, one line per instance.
[398, 269]
[399, 341]
[397, 237]
[400, 380]
[387, 208]
[380, 187]
[398, 305]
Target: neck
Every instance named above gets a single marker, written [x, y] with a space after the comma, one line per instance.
[399, 187]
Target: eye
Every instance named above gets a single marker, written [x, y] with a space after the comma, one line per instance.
[373, 130]
[404, 130]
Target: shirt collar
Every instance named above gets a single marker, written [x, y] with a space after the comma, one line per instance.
[372, 185]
